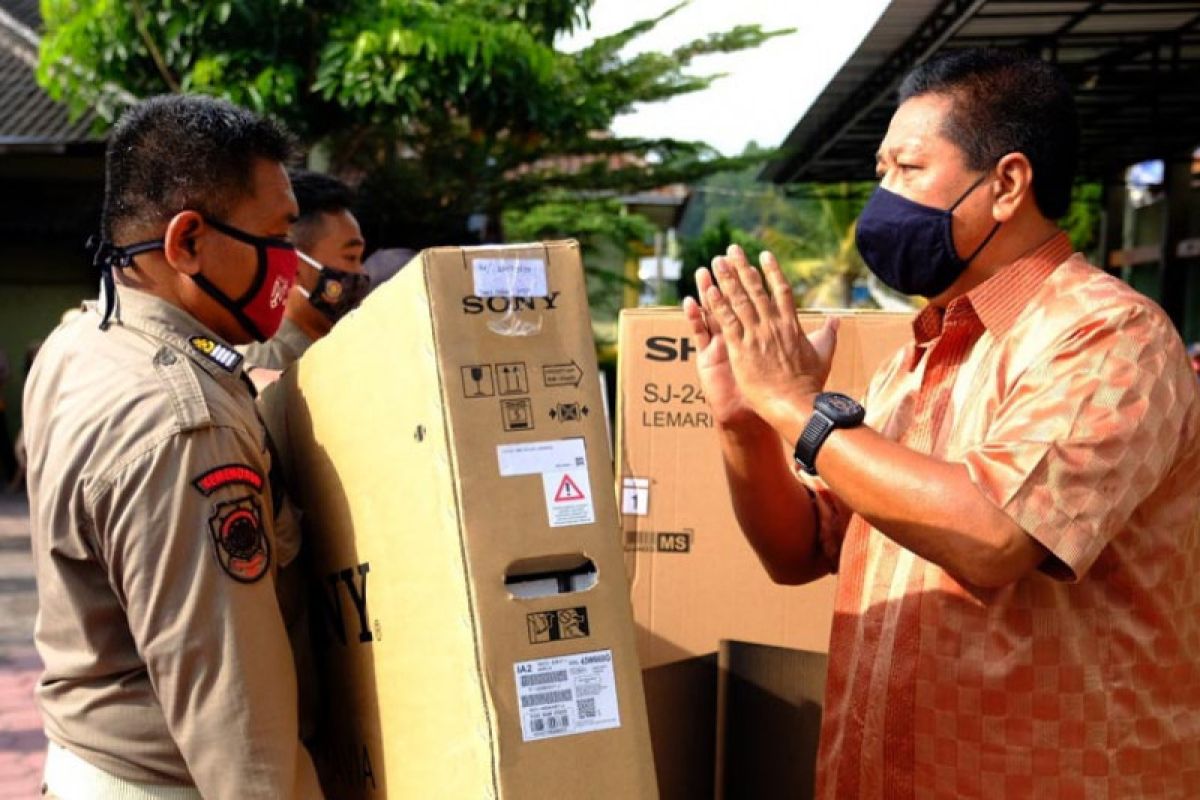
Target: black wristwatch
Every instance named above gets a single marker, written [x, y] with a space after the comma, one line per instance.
[831, 410]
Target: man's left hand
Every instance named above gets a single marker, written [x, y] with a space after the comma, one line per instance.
[777, 368]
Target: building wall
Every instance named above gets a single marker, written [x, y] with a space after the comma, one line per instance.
[49, 206]
[1144, 226]
[37, 284]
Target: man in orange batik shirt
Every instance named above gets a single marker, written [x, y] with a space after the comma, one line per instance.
[1013, 517]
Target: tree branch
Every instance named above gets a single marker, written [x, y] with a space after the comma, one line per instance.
[139, 21]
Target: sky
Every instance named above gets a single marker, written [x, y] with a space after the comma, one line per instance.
[766, 90]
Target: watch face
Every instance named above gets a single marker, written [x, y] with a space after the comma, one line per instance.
[842, 404]
[840, 408]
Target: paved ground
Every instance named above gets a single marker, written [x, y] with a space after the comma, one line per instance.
[22, 745]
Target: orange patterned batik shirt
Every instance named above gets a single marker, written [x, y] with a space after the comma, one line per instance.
[1070, 400]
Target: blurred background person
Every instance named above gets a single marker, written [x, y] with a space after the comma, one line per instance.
[332, 280]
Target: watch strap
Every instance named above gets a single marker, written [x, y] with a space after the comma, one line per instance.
[814, 435]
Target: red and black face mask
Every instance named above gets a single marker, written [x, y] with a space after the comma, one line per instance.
[259, 310]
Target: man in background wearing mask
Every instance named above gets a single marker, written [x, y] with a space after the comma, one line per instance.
[155, 538]
[331, 281]
[1014, 524]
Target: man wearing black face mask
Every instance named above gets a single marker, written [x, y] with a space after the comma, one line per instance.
[331, 281]
[1013, 516]
[157, 535]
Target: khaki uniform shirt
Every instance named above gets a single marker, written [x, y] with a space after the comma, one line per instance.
[156, 548]
[281, 350]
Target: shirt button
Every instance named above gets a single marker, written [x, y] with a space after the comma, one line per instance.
[164, 357]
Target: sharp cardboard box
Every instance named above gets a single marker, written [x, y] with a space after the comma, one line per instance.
[695, 580]
[447, 445]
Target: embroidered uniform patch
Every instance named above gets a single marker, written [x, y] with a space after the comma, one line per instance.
[243, 550]
[228, 475]
[224, 357]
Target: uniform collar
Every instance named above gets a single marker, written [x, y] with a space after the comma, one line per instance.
[997, 302]
[172, 325]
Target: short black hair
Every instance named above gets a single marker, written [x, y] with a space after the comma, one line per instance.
[1007, 101]
[178, 152]
[316, 194]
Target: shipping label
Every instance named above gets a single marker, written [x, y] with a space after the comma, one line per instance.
[567, 695]
[562, 464]
[533, 458]
[510, 277]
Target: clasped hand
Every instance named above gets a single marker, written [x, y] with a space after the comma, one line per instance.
[754, 361]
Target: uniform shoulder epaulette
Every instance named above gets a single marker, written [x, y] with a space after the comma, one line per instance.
[180, 376]
[222, 355]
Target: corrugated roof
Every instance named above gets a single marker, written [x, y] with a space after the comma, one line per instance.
[30, 116]
[1135, 66]
[26, 12]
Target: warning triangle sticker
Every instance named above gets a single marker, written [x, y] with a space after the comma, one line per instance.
[567, 491]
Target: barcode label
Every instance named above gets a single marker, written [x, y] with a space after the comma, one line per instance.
[528, 681]
[567, 695]
[546, 698]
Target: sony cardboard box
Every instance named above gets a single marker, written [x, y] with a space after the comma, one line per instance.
[446, 444]
[695, 580]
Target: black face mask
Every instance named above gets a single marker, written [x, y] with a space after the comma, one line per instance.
[338, 291]
[910, 246]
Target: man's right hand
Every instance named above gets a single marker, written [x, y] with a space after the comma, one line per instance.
[773, 508]
[728, 405]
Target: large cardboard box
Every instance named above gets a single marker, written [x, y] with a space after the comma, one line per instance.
[769, 706]
[695, 580]
[448, 449]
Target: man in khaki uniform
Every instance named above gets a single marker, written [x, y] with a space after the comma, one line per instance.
[155, 538]
[331, 281]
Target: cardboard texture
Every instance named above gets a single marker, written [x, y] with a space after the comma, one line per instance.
[694, 578]
[682, 700]
[447, 447]
[769, 705]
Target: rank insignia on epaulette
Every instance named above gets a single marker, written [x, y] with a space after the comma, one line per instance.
[243, 550]
[223, 356]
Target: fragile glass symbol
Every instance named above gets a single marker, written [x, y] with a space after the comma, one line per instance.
[477, 381]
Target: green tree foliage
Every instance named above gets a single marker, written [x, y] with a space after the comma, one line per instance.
[1082, 221]
[713, 240]
[442, 109]
[601, 225]
[810, 229]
